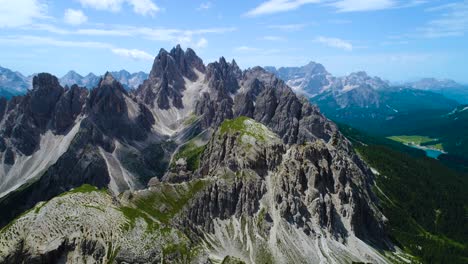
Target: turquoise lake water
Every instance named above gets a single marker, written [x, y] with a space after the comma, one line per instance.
[431, 153]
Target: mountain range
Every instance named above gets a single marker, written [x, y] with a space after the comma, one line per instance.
[209, 163]
[128, 80]
[313, 79]
[15, 83]
[379, 107]
[200, 164]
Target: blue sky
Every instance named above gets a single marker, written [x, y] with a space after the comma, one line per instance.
[398, 40]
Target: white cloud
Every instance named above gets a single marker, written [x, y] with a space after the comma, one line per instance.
[194, 37]
[453, 21]
[74, 17]
[202, 43]
[363, 5]
[288, 27]
[204, 6]
[172, 35]
[277, 6]
[142, 7]
[18, 13]
[335, 43]
[112, 5]
[373, 5]
[26, 40]
[134, 54]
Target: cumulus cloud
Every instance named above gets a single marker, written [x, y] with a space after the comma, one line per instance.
[134, 54]
[21, 12]
[74, 17]
[335, 43]
[142, 7]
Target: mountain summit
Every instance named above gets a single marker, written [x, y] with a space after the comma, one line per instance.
[201, 164]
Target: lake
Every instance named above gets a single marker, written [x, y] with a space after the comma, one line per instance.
[431, 153]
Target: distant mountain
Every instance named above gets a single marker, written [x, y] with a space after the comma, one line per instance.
[128, 80]
[448, 88]
[13, 83]
[359, 79]
[313, 79]
[433, 84]
[310, 79]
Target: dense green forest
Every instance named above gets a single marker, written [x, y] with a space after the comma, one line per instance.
[425, 201]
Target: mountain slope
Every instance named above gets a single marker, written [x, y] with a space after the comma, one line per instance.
[425, 202]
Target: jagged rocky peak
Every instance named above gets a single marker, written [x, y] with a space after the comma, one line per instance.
[188, 61]
[223, 76]
[108, 97]
[108, 79]
[167, 79]
[113, 110]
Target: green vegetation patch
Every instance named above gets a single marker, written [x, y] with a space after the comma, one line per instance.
[245, 126]
[418, 141]
[132, 214]
[191, 153]
[166, 200]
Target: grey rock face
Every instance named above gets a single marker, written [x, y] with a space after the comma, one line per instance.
[165, 83]
[113, 111]
[3, 106]
[69, 107]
